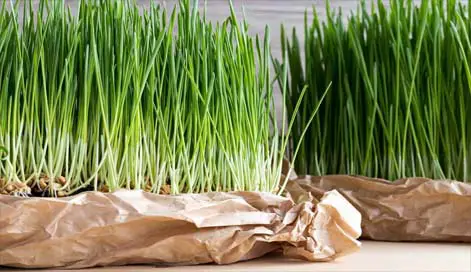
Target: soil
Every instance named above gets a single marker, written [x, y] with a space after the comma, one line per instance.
[45, 187]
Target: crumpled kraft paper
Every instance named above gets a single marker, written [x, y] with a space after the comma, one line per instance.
[134, 227]
[414, 209]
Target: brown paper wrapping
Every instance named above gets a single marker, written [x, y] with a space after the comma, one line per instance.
[414, 209]
[134, 227]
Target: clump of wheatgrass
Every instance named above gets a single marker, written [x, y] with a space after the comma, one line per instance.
[119, 97]
[401, 90]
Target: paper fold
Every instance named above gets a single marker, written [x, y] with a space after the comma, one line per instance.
[414, 209]
[134, 227]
